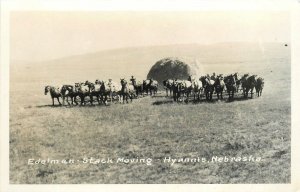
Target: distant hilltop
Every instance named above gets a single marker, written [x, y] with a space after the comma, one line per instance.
[137, 61]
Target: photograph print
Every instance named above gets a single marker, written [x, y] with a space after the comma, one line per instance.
[150, 97]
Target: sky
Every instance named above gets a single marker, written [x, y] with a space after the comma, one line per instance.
[45, 35]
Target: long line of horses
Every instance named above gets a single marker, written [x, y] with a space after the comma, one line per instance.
[103, 91]
[219, 84]
[180, 90]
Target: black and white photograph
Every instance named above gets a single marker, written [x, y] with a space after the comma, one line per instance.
[150, 97]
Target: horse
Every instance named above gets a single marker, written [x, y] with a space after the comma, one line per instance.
[184, 88]
[126, 90]
[151, 86]
[259, 85]
[175, 90]
[231, 86]
[168, 84]
[55, 92]
[197, 87]
[248, 84]
[109, 89]
[83, 91]
[219, 86]
[115, 90]
[104, 90]
[94, 91]
[208, 87]
[237, 81]
[138, 86]
[68, 91]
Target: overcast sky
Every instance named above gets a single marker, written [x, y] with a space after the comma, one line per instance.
[37, 36]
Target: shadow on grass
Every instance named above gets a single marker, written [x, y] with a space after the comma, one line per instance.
[236, 99]
[46, 106]
[202, 101]
[162, 102]
[69, 106]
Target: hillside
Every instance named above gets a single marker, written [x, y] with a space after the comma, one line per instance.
[115, 64]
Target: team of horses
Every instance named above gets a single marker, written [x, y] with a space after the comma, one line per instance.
[102, 91]
[180, 90]
[208, 85]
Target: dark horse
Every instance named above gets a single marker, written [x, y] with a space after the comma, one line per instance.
[127, 91]
[55, 92]
[219, 86]
[138, 86]
[231, 86]
[175, 90]
[259, 86]
[150, 85]
[208, 87]
[248, 84]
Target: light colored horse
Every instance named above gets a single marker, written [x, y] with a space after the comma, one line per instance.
[94, 91]
[55, 92]
[237, 78]
[184, 89]
[168, 84]
[115, 91]
[197, 87]
[127, 91]
[83, 91]
[109, 89]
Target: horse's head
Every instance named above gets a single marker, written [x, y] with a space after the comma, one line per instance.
[123, 81]
[47, 89]
[77, 86]
[207, 80]
[202, 79]
[146, 82]
[232, 78]
[133, 81]
[220, 77]
[132, 78]
[252, 77]
[236, 76]
[165, 82]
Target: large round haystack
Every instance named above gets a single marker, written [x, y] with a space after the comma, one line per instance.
[169, 68]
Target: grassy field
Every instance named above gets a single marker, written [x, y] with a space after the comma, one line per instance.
[155, 128]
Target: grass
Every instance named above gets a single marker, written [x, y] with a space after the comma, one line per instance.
[259, 127]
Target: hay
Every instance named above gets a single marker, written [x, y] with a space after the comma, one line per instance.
[169, 68]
